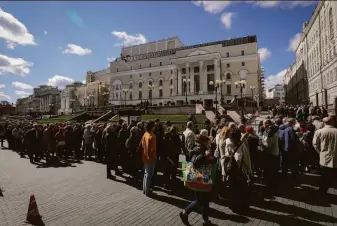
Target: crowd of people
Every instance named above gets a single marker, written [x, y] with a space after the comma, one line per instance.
[292, 139]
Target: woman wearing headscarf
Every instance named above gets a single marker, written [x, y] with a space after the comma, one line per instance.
[110, 140]
[200, 155]
[239, 172]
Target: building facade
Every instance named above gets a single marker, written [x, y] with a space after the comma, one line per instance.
[70, 100]
[313, 76]
[49, 98]
[166, 72]
[276, 92]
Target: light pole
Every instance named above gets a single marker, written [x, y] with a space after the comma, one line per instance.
[186, 81]
[72, 105]
[252, 88]
[217, 85]
[125, 91]
[105, 95]
[50, 109]
[151, 88]
[241, 84]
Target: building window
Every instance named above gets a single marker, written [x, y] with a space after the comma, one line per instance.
[150, 83]
[227, 54]
[131, 67]
[196, 70]
[229, 89]
[139, 95]
[210, 77]
[130, 76]
[140, 85]
[228, 65]
[210, 67]
[130, 96]
[228, 76]
[242, 52]
[160, 63]
[140, 66]
[160, 73]
[150, 93]
[171, 82]
[243, 64]
[160, 93]
[331, 23]
[130, 86]
[160, 82]
[171, 72]
[171, 92]
[150, 74]
[140, 75]
[116, 69]
[183, 70]
[150, 65]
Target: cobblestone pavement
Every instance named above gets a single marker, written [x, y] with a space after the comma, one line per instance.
[81, 195]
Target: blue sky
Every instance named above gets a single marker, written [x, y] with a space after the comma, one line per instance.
[57, 42]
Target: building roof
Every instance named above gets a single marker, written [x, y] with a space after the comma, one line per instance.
[224, 43]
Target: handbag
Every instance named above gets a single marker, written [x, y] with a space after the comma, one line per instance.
[199, 179]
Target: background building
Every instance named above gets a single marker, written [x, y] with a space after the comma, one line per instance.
[69, 100]
[313, 76]
[276, 92]
[166, 71]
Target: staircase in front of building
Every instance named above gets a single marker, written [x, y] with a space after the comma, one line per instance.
[104, 117]
[235, 116]
[210, 115]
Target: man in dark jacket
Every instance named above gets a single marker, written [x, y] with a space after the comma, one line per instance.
[32, 138]
[110, 140]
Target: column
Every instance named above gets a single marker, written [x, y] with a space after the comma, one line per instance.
[203, 78]
[174, 83]
[179, 81]
[217, 71]
[187, 76]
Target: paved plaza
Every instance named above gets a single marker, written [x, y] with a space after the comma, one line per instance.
[80, 194]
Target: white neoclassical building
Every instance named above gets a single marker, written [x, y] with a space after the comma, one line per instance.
[166, 71]
[313, 76]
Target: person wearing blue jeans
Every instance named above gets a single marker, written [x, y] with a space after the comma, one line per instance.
[148, 175]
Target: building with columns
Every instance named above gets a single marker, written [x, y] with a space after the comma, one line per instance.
[276, 92]
[166, 71]
[49, 98]
[70, 98]
[313, 76]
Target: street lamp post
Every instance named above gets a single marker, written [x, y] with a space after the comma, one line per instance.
[241, 85]
[217, 85]
[125, 91]
[72, 105]
[252, 88]
[105, 95]
[151, 88]
[186, 81]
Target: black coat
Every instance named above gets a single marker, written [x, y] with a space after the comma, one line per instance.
[110, 144]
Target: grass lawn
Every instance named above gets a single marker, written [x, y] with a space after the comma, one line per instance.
[164, 118]
[59, 119]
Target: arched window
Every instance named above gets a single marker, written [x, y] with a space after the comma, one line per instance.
[130, 86]
[140, 95]
[150, 83]
[228, 76]
[140, 85]
[130, 95]
[331, 24]
[150, 93]
[171, 81]
[160, 82]
[160, 93]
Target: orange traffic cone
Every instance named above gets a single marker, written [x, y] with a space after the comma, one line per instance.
[33, 215]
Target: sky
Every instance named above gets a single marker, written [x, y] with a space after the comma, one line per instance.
[56, 43]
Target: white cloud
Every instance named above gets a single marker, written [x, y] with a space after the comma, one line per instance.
[273, 80]
[282, 4]
[13, 31]
[294, 42]
[2, 86]
[14, 66]
[264, 54]
[21, 85]
[110, 59]
[45, 32]
[59, 81]
[129, 40]
[22, 93]
[75, 49]
[84, 82]
[213, 6]
[226, 19]
[4, 96]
